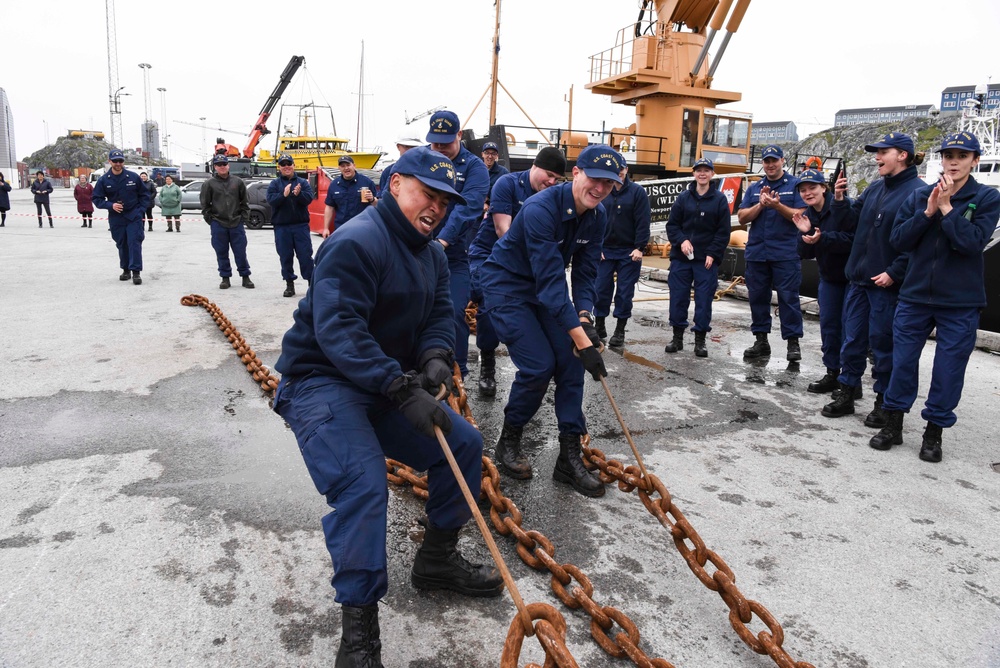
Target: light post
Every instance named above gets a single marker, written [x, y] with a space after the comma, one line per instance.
[163, 109]
[204, 149]
[148, 130]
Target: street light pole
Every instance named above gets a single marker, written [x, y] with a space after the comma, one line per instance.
[204, 149]
[145, 94]
[163, 130]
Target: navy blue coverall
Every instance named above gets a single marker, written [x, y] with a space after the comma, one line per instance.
[943, 288]
[524, 281]
[705, 221]
[127, 229]
[869, 309]
[345, 197]
[628, 230]
[378, 300]
[772, 259]
[290, 218]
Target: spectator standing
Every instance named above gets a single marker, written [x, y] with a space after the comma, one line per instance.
[491, 158]
[348, 195]
[83, 193]
[225, 207]
[289, 197]
[151, 187]
[405, 140]
[41, 187]
[170, 203]
[121, 193]
[4, 200]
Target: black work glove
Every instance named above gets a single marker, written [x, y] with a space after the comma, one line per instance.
[436, 368]
[593, 362]
[591, 332]
[418, 406]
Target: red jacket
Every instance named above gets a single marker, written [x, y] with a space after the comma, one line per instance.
[84, 195]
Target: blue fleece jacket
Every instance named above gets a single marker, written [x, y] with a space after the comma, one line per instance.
[379, 299]
[628, 217]
[946, 252]
[772, 237]
[704, 220]
[834, 245]
[472, 180]
[506, 197]
[291, 210]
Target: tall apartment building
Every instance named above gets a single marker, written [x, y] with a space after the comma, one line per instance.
[8, 154]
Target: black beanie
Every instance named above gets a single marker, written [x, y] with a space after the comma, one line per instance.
[550, 158]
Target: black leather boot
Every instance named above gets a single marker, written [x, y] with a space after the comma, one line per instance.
[508, 453]
[677, 343]
[487, 373]
[224, 284]
[794, 352]
[360, 646]
[570, 469]
[930, 448]
[247, 283]
[892, 432]
[136, 278]
[289, 289]
[439, 566]
[699, 345]
[602, 330]
[842, 404]
[827, 383]
[125, 275]
[760, 347]
[876, 419]
[617, 339]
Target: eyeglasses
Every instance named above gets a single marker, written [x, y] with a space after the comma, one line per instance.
[118, 162]
[284, 164]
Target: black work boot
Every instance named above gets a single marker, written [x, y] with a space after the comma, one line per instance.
[150, 226]
[677, 343]
[247, 283]
[508, 452]
[84, 223]
[225, 283]
[360, 646]
[930, 448]
[289, 289]
[827, 383]
[794, 352]
[602, 330]
[760, 348]
[570, 469]
[699, 345]
[892, 432]
[618, 338]
[842, 404]
[487, 373]
[178, 225]
[876, 419]
[439, 566]
[126, 274]
[136, 278]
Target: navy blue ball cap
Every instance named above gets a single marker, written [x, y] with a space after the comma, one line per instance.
[285, 159]
[345, 158]
[962, 141]
[491, 146]
[116, 154]
[772, 151]
[601, 162]
[812, 176]
[220, 159]
[430, 168]
[893, 140]
[703, 162]
[444, 127]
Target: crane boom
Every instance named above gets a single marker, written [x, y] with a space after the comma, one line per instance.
[260, 127]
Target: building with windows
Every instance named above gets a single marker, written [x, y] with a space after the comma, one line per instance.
[768, 133]
[151, 139]
[8, 154]
[953, 98]
[882, 114]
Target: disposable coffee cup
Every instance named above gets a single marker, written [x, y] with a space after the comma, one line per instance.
[690, 255]
[364, 194]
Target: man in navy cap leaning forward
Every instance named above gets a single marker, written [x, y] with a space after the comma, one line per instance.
[122, 194]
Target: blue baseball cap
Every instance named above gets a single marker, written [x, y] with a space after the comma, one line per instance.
[772, 151]
[491, 146]
[812, 176]
[962, 141]
[599, 161]
[116, 154]
[220, 159]
[893, 140]
[284, 157]
[703, 162]
[430, 168]
[345, 158]
[444, 127]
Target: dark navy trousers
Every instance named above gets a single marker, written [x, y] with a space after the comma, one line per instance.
[344, 435]
[868, 313]
[486, 334]
[291, 241]
[956, 339]
[683, 274]
[128, 238]
[785, 277]
[224, 238]
[541, 350]
[459, 284]
[616, 261]
[831, 321]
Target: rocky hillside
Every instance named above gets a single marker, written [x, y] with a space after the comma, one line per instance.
[67, 153]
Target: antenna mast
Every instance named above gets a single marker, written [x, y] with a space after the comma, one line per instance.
[113, 88]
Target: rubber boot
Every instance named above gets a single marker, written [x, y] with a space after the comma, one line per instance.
[126, 274]
[178, 225]
[289, 289]
[602, 330]
[50, 223]
[794, 352]
[826, 384]
[438, 565]
[617, 339]
[677, 343]
[892, 432]
[930, 447]
[84, 223]
[136, 278]
[699, 345]
[760, 348]
[360, 646]
[224, 285]
[90, 223]
[247, 283]
[150, 226]
[570, 469]
[487, 373]
[508, 452]
[876, 419]
[170, 225]
[842, 404]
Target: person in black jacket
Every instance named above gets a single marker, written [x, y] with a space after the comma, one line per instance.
[151, 187]
[823, 240]
[698, 229]
[4, 200]
[224, 206]
[41, 187]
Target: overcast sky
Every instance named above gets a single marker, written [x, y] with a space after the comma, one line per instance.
[799, 61]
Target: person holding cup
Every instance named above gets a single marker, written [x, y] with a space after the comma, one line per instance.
[349, 194]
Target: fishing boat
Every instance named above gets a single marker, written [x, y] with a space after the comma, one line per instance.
[315, 150]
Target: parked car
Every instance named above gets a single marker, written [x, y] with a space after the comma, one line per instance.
[190, 196]
[260, 210]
